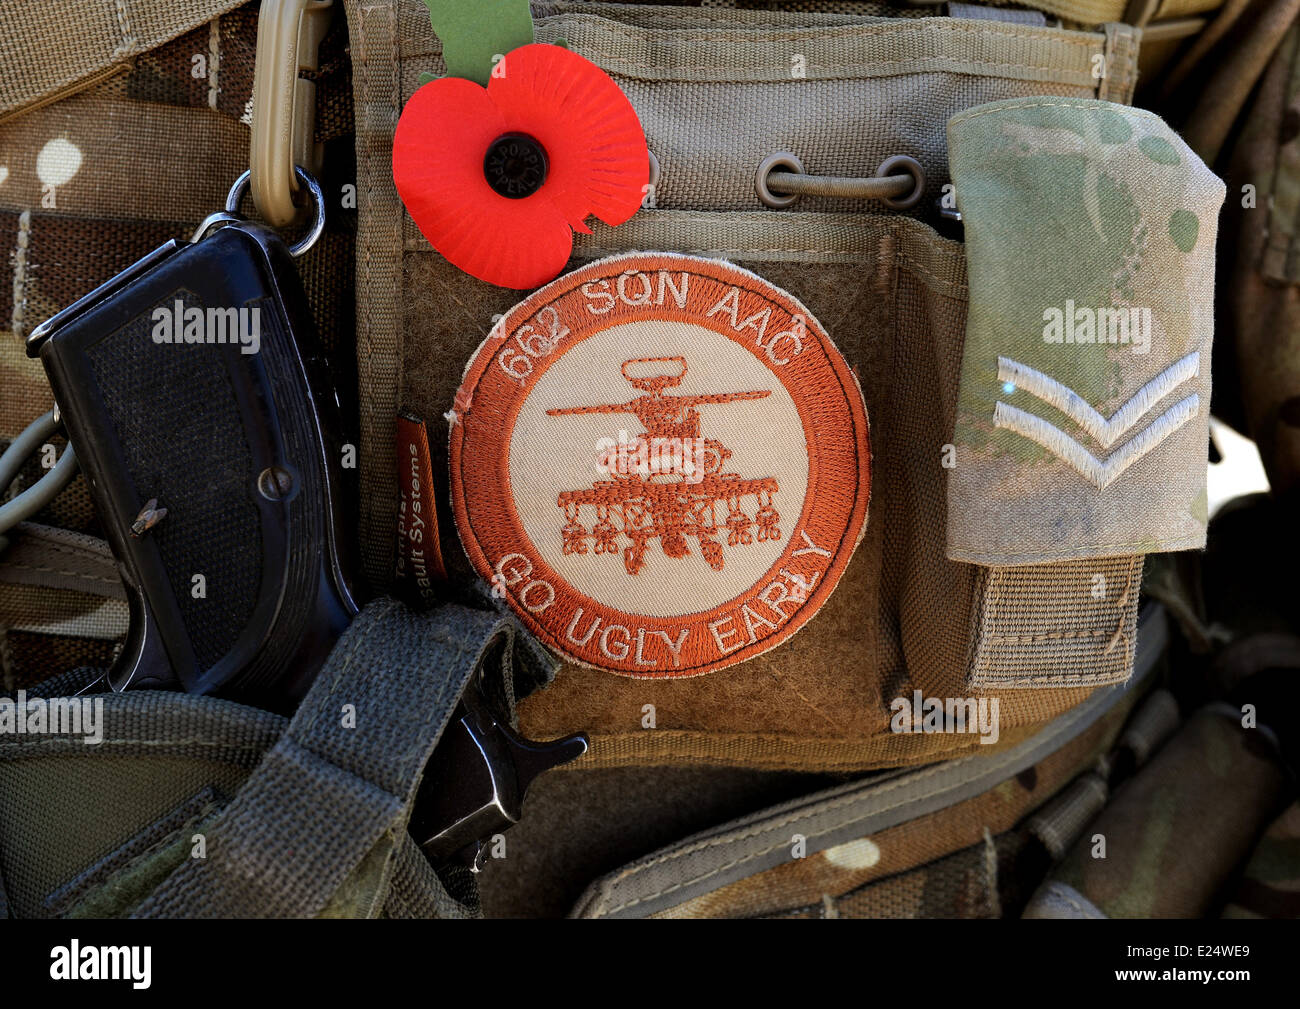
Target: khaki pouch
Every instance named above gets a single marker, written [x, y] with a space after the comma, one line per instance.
[715, 95]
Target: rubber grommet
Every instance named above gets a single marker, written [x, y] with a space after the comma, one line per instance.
[781, 160]
[897, 165]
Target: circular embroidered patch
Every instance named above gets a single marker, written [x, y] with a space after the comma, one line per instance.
[662, 463]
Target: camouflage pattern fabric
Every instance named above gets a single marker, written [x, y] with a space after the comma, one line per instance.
[963, 885]
[1270, 885]
[1085, 387]
[1175, 833]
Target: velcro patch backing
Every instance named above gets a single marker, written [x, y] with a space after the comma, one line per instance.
[662, 463]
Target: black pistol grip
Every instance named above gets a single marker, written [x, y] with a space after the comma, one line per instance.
[204, 423]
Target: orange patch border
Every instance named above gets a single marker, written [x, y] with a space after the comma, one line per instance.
[488, 402]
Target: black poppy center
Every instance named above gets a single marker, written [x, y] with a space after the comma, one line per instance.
[515, 165]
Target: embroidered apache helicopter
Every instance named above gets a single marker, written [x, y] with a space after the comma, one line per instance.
[676, 498]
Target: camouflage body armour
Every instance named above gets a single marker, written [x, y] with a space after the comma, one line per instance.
[973, 682]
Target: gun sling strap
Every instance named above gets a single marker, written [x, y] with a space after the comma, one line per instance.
[318, 826]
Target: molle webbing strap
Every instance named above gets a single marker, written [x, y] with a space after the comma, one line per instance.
[330, 801]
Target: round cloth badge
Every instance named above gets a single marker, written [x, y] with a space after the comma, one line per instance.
[662, 463]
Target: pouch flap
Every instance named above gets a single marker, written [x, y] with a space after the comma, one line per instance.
[1083, 411]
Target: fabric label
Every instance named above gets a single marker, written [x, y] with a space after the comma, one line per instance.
[661, 463]
[419, 564]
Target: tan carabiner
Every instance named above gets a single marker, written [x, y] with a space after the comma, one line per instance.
[289, 34]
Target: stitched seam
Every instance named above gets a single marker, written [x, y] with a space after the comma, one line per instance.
[420, 245]
[63, 741]
[55, 547]
[918, 268]
[308, 727]
[129, 41]
[943, 26]
[214, 61]
[614, 66]
[987, 679]
[1029, 639]
[60, 571]
[1018, 560]
[7, 677]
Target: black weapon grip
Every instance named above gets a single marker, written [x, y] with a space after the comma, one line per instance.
[192, 379]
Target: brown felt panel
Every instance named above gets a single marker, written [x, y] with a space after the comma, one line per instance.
[903, 616]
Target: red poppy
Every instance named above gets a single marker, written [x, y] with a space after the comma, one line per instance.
[497, 178]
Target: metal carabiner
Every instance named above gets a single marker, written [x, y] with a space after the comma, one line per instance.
[289, 34]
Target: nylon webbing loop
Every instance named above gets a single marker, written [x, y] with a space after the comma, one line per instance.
[340, 782]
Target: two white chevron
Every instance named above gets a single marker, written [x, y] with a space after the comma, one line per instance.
[1104, 431]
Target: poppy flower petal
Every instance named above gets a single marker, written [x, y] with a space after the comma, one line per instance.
[521, 246]
[596, 163]
[438, 150]
[596, 148]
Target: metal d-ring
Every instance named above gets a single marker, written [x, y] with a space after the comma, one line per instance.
[305, 177]
[781, 160]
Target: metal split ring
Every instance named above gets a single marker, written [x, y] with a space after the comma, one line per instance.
[236, 197]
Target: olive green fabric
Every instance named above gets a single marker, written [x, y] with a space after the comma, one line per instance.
[66, 806]
[138, 824]
[1085, 388]
[127, 887]
[327, 808]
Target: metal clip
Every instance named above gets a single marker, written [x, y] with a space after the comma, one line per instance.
[289, 34]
